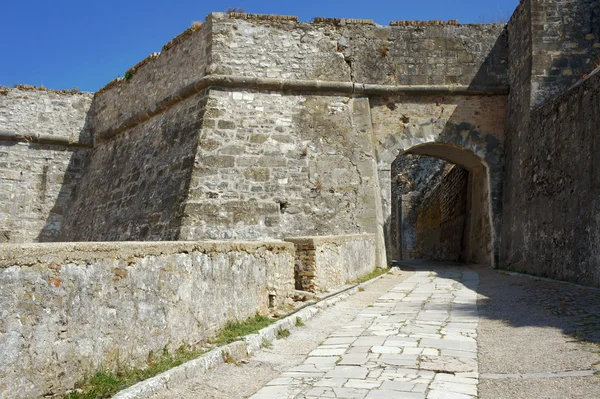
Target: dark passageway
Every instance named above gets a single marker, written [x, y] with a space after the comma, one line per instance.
[440, 205]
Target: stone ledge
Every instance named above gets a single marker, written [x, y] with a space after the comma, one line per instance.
[23, 87]
[424, 23]
[82, 252]
[319, 240]
[6, 135]
[276, 84]
[342, 21]
[262, 17]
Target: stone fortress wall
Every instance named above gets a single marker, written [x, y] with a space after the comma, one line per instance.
[43, 150]
[252, 127]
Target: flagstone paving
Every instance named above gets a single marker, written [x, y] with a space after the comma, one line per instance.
[444, 331]
[416, 341]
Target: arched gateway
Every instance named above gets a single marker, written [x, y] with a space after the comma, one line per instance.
[466, 131]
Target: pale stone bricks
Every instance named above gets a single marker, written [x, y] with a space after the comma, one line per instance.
[405, 346]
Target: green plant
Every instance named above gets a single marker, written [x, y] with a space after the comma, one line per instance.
[361, 289]
[299, 322]
[266, 343]
[234, 330]
[369, 276]
[128, 75]
[283, 333]
[105, 383]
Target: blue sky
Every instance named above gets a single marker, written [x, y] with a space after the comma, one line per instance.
[63, 44]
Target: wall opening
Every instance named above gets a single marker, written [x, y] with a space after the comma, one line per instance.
[441, 207]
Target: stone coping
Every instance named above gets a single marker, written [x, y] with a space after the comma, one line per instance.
[293, 85]
[23, 87]
[47, 254]
[320, 240]
[7, 135]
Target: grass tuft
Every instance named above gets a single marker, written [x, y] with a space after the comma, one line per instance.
[375, 273]
[283, 334]
[299, 322]
[105, 383]
[234, 330]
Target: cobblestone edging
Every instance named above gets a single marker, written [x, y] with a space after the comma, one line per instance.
[547, 279]
[536, 376]
[238, 350]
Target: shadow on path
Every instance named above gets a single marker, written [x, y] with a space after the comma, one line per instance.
[524, 301]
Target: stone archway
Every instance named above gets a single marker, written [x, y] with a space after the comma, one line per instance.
[459, 142]
[477, 236]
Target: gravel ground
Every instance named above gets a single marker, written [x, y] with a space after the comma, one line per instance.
[533, 326]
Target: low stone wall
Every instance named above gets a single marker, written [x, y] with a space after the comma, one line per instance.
[67, 309]
[323, 263]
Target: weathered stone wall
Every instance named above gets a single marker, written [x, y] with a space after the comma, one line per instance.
[565, 44]
[42, 153]
[28, 110]
[70, 308]
[413, 177]
[517, 116]
[136, 184]
[445, 124]
[326, 262]
[183, 61]
[335, 50]
[442, 218]
[276, 165]
[554, 227]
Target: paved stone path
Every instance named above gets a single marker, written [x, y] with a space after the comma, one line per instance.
[416, 341]
[535, 339]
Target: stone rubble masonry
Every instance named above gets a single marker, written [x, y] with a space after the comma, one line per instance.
[470, 55]
[164, 75]
[365, 53]
[554, 188]
[28, 110]
[273, 165]
[413, 177]
[69, 308]
[136, 185]
[565, 44]
[550, 208]
[42, 155]
[442, 217]
[325, 262]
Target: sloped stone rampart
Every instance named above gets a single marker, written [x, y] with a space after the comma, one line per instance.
[67, 309]
[325, 262]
